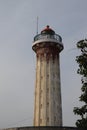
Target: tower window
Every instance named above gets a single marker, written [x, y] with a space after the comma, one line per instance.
[47, 119]
[40, 120]
[41, 77]
[47, 61]
[53, 88]
[41, 91]
[53, 75]
[54, 118]
[47, 103]
[47, 90]
[40, 105]
[47, 75]
[54, 103]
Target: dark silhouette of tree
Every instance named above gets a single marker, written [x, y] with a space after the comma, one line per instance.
[82, 70]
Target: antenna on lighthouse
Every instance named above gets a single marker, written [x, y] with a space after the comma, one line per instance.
[37, 26]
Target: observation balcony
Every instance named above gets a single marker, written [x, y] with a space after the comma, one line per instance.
[47, 37]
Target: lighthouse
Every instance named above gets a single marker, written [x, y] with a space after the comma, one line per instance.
[47, 105]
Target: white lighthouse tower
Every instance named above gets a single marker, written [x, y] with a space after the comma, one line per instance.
[47, 108]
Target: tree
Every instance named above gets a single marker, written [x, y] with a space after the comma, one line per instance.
[82, 70]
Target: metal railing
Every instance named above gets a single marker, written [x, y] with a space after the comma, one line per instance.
[48, 36]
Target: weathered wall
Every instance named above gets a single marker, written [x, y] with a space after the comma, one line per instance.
[48, 108]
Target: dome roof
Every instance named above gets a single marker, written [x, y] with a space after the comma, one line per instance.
[47, 30]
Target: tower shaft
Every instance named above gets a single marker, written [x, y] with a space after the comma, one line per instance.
[48, 108]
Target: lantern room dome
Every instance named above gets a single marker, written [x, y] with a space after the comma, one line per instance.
[48, 30]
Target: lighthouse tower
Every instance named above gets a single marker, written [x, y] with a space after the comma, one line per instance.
[47, 108]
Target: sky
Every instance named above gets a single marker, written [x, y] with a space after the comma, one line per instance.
[18, 26]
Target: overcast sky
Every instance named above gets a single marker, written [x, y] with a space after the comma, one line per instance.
[17, 60]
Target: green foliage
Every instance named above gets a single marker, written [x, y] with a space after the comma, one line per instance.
[82, 70]
[82, 123]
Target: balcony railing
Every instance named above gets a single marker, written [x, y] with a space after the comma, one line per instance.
[48, 36]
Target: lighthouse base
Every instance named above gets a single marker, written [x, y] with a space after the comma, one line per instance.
[44, 128]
